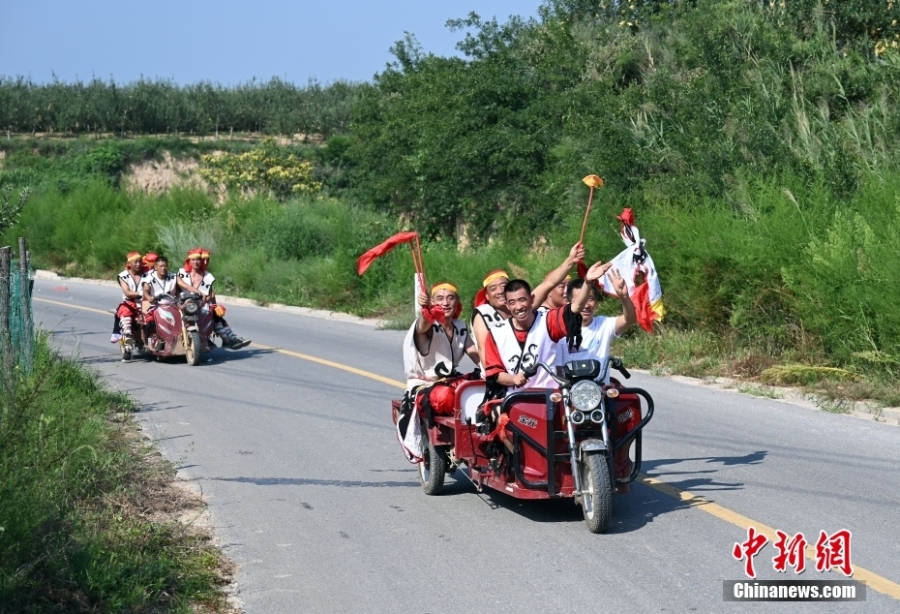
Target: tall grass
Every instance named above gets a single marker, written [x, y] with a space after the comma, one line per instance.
[71, 539]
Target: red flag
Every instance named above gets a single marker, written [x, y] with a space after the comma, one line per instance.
[380, 250]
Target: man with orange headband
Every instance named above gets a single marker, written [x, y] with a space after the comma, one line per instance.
[128, 310]
[194, 277]
[491, 311]
[432, 351]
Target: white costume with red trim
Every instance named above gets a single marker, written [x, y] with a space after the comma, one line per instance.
[539, 347]
[159, 287]
[132, 285]
[442, 356]
[206, 283]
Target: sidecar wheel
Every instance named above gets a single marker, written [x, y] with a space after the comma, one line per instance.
[596, 498]
[194, 348]
[432, 469]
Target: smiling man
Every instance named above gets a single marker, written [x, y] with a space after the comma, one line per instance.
[531, 336]
[491, 310]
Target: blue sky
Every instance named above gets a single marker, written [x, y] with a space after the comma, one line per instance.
[224, 41]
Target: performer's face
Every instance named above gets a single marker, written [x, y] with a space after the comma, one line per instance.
[587, 313]
[557, 296]
[495, 294]
[519, 305]
[162, 268]
[196, 264]
[446, 300]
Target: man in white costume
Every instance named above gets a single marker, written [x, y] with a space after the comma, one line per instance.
[433, 348]
[158, 283]
[194, 277]
[491, 312]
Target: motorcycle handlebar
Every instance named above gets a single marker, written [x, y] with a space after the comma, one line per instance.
[618, 365]
[530, 372]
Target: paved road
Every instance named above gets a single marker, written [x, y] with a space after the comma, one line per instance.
[312, 499]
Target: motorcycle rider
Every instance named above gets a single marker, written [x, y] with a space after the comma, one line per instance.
[128, 310]
[156, 284]
[528, 338]
[194, 277]
[597, 332]
[492, 312]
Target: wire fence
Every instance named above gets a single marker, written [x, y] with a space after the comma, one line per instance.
[16, 321]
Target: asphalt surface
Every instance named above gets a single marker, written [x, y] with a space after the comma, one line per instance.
[312, 498]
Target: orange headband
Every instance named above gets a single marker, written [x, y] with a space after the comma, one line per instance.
[133, 256]
[444, 286]
[494, 276]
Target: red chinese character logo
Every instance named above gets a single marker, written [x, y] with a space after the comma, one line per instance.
[749, 549]
[834, 551]
[790, 552]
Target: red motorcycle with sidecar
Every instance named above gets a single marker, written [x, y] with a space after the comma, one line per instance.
[572, 442]
[182, 324]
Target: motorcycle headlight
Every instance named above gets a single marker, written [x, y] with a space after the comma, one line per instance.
[191, 308]
[585, 395]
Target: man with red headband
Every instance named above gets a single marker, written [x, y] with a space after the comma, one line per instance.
[491, 311]
[195, 278]
[128, 310]
[432, 351]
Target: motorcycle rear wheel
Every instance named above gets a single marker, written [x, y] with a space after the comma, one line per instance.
[596, 497]
[194, 348]
[432, 469]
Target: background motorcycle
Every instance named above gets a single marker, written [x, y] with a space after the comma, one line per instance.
[183, 326]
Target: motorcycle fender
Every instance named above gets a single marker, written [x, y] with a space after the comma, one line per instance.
[193, 328]
[591, 446]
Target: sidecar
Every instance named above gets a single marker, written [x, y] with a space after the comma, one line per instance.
[552, 449]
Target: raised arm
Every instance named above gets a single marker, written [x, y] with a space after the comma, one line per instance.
[557, 275]
[580, 298]
[629, 315]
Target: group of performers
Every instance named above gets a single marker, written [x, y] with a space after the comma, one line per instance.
[147, 278]
[513, 328]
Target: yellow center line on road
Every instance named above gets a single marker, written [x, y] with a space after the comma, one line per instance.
[330, 363]
[91, 309]
[871, 579]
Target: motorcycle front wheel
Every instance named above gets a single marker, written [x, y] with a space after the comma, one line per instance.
[193, 349]
[432, 468]
[596, 489]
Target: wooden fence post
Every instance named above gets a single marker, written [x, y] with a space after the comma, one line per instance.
[26, 303]
[5, 338]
